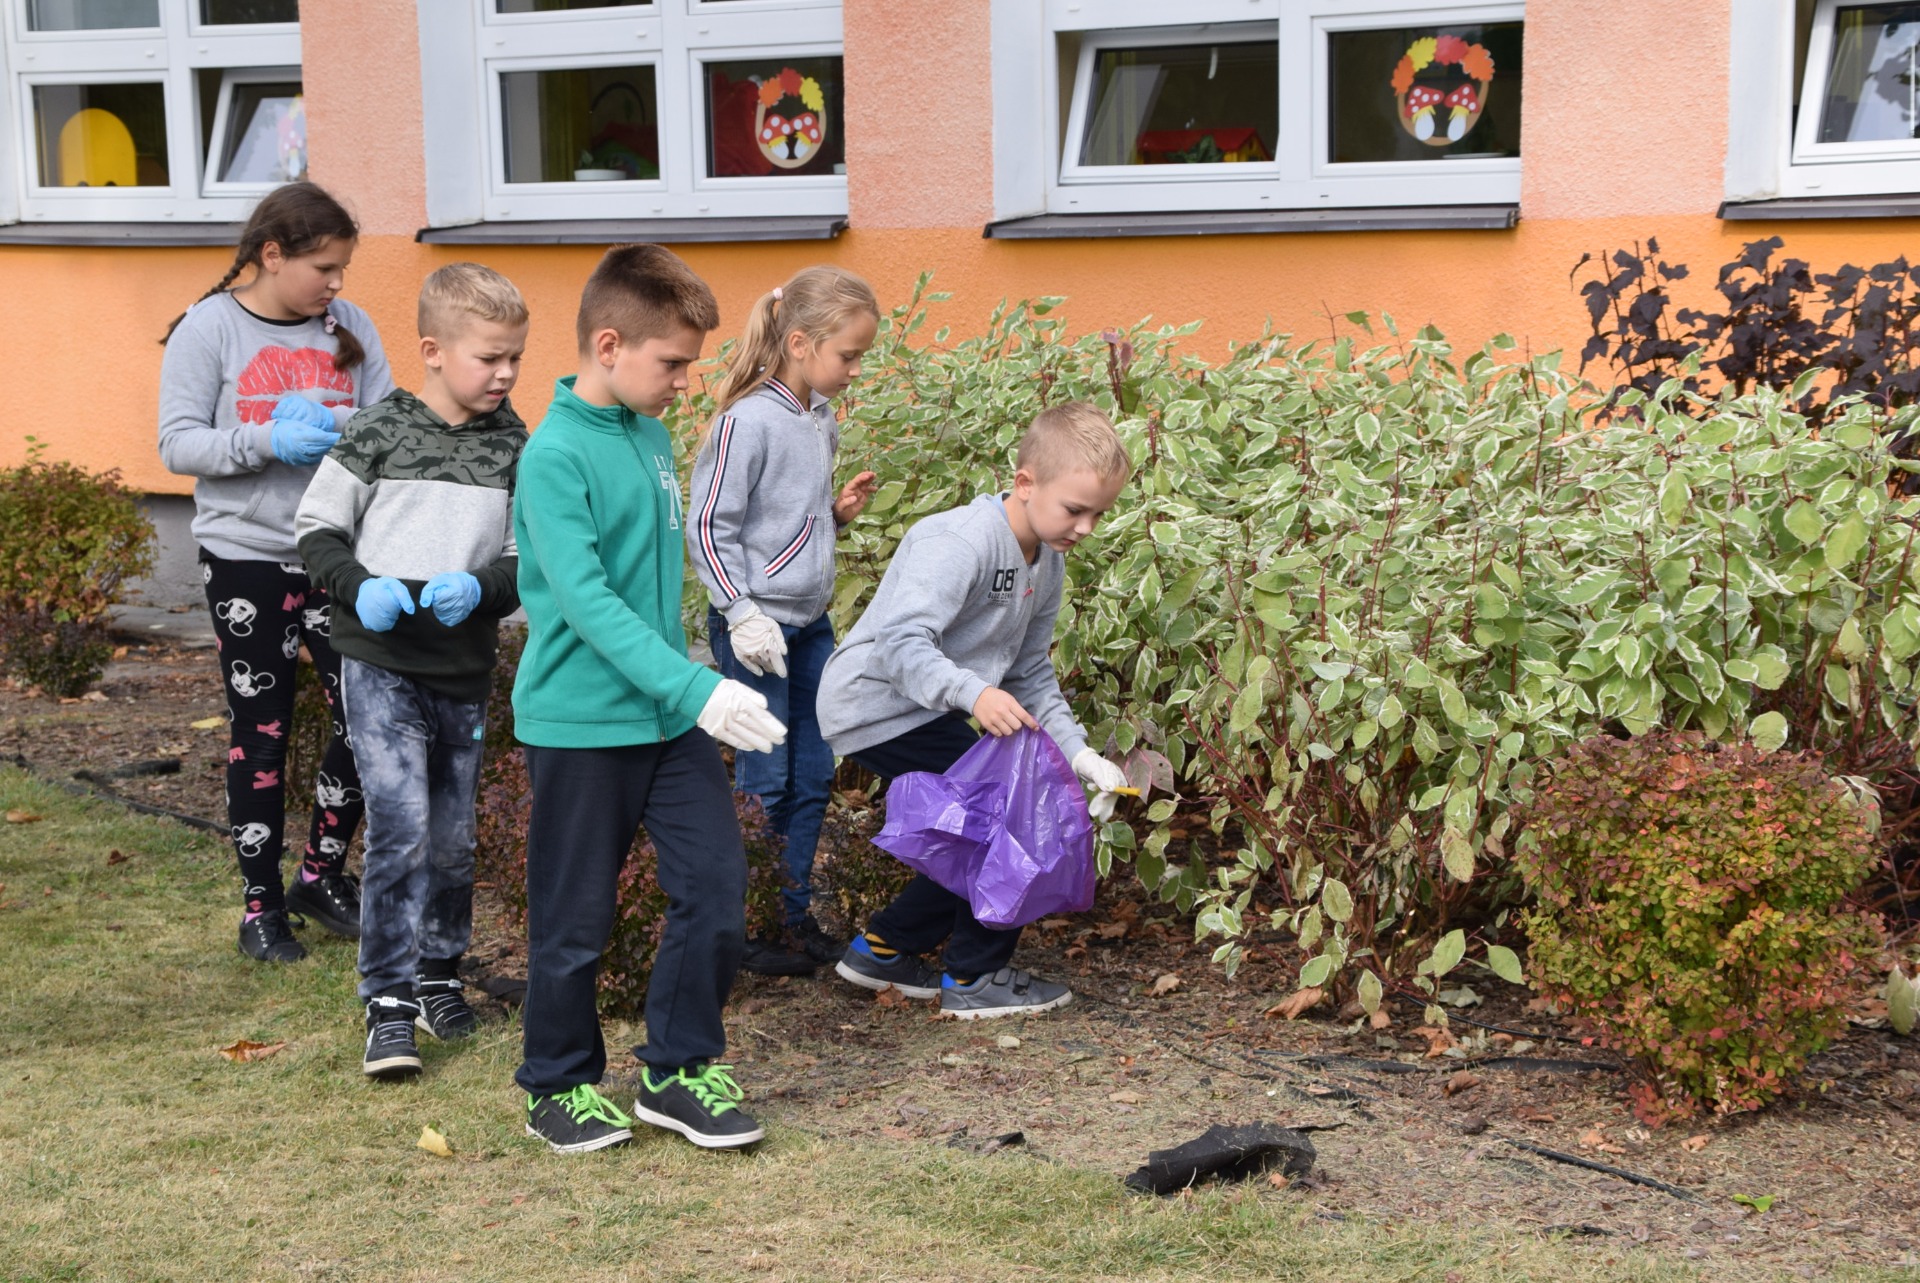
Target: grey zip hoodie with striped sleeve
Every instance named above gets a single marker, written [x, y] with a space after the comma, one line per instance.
[761, 528]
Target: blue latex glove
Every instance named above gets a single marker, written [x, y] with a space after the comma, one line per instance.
[301, 445]
[298, 409]
[380, 603]
[452, 596]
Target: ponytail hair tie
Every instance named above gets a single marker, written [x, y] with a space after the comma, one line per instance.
[776, 294]
[331, 323]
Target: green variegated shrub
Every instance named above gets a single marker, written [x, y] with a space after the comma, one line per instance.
[1357, 590]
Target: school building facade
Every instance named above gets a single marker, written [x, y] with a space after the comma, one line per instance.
[1232, 160]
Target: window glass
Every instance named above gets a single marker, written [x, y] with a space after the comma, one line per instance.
[266, 138]
[556, 6]
[582, 124]
[1424, 93]
[770, 116]
[1873, 79]
[108, 135]
[1210, 103]
[91, 15]
[222, 13]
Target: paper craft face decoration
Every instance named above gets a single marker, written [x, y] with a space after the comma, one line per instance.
[1445, 103]
[790, 122]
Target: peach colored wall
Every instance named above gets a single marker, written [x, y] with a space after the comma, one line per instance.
[77, 336]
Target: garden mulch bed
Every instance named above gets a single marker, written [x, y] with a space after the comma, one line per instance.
[1140, 1062]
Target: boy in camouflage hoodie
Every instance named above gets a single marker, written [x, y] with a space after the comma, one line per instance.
[410, 521]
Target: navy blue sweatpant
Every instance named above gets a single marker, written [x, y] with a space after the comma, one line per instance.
[588, 803]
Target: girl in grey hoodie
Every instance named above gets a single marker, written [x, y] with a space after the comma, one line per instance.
[256, 384]
[763, 521]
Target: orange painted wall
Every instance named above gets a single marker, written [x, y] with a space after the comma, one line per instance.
[78, 328]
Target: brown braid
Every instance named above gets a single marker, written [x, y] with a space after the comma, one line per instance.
[297, 217]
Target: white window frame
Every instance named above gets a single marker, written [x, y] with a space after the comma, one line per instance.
[171, 55]
[1035, 173]
[466, 153]
[230, 81]
[1764, 158]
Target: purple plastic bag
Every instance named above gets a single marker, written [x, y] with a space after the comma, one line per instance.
[1006, 826]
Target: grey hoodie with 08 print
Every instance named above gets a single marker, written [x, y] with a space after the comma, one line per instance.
[959, 609]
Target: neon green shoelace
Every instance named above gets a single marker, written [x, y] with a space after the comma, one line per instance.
[714, 1088]
[584, 1102]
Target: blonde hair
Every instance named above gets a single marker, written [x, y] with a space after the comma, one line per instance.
[643, 292]
[1073, 435]
[818, 303]
[460, 292]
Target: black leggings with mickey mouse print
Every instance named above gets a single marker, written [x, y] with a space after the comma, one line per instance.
[262, 612]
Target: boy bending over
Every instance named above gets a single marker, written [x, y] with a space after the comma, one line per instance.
[962, 624]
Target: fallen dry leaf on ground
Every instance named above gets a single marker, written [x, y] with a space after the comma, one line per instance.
[243, 1051]
[1694, 1144]
[23, 817]
[1125, 1097]
[1166, 984]
[434, 1143]
[1461, 1081]
[1438, 1040]
[1297, 1005]
[889, 997]
[116, 857]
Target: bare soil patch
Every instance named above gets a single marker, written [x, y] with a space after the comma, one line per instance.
[1139, 1063]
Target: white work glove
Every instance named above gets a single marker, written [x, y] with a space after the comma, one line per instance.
[759, 644]
[1103, 777]
[737, 714]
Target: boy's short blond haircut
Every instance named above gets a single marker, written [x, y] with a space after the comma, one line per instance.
[462, 292]
[1073, 435]
[644, 292]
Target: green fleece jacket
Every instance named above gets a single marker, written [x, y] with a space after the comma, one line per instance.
[597, 519]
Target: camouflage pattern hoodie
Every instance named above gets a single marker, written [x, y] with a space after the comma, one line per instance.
[405, 494]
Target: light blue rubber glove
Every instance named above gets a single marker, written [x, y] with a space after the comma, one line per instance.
[452, 595]
[380, 603]
[301, 409]
[302, 431]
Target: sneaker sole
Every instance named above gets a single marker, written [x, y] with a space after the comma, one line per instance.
[876, 984]
[1023, 1009]
[704, 1141]
[392, 1068]
[584, 1146]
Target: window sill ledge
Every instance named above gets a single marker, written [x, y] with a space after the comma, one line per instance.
[1902, 205]
[619, 231]
[131, 234]
[1256, 222]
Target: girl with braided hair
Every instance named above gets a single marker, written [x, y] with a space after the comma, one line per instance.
[257, 382]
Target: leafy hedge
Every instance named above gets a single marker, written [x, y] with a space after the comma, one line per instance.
[1359, 588]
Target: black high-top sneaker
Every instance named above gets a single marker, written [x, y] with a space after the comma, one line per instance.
[444, 1012]
[391, 1053]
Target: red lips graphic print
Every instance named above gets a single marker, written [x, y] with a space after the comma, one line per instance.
[276, 371]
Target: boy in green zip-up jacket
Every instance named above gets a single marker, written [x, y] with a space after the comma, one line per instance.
[619, 726]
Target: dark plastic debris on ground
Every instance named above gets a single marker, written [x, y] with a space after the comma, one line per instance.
[1228, 1153]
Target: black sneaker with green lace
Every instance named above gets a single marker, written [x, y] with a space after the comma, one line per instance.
[701, 1102]
[577, 1121]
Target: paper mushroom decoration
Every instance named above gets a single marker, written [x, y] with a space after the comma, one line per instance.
[1440, 109]
[791, 137]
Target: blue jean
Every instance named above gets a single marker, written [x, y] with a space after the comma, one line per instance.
[793, 780]
[419, 753]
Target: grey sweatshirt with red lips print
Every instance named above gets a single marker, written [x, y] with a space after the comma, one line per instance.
[223, 371]
[761, 526]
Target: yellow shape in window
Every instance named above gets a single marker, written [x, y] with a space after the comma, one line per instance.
[96, 151]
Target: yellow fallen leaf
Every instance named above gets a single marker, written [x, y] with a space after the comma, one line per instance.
[1166, 984]
[243, 1051]
[1125, 1097]
[434, 1143]
[209, 723]
[23, 817]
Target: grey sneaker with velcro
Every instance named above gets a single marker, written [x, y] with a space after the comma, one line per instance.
[1005, 992]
